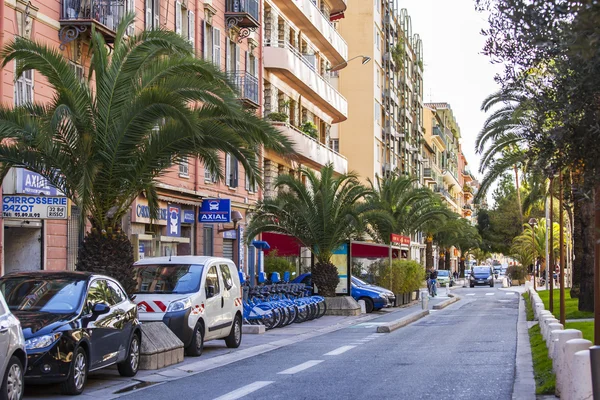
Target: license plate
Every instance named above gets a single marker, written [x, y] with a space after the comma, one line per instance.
[481, 281]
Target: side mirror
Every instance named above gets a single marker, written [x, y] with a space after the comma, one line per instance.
[210, 291]
[100, 308]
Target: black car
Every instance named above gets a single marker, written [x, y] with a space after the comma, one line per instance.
[482, 275]
[73, 323]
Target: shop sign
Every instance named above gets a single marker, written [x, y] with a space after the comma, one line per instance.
[142, 213]
[174, 220]
[32, 183]
[188, 216]
[215, 211]
[231, 235]
[399, 239]
[38, 207]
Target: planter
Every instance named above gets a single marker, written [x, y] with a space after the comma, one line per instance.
[515, 282]
[342, 305]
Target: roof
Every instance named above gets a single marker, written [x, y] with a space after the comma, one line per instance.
[199, 260]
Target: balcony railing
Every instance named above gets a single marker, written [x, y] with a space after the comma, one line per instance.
[247, 86]
[242, 13]
[107, 12]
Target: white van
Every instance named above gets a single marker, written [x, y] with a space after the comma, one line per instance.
[198, 298]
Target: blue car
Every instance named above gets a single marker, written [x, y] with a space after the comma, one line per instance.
[375, 297]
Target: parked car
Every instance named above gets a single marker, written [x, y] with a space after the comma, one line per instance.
[390, 295]
[198, 298]
[13, 358]
[482, 275]
[73, 323]
[444, 276]
[374, 299]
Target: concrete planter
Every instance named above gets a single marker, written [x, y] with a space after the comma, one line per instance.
[342, 305]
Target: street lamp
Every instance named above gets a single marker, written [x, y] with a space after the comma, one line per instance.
[365, 59]
[533, 223]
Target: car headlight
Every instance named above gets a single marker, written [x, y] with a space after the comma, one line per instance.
[180, 305]
[42, 342]
[383, 295]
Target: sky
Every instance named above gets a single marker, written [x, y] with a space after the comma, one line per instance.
[456, 71]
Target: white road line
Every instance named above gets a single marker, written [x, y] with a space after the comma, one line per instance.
[339, 351]
[301, 367]
[244, 390]
[510, 293]
[470, 294]
[490, 294]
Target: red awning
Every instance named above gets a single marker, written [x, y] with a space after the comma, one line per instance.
[368, 250]
[286, 246]
[335, 17]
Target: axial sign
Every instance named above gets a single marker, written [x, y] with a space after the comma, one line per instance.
[215, 211]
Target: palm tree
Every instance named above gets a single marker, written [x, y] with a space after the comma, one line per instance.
[532, 243]
[146, 104]
[398, 206]
[322, 215]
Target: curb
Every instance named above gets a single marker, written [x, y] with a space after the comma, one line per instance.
[399, 323]
[524, 383]
[446, 303]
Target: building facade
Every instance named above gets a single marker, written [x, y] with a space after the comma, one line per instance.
[384, 130]
[225, 32]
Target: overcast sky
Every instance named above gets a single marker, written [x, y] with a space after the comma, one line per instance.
[455, 70]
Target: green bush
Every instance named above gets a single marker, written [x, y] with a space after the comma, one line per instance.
[274, 263]
[278, 116]
[405, 276]
[310, 129]
[517, 272]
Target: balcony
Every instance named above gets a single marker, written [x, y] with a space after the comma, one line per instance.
[247, 86]
[445, 194]
[337, 6]
[309, 19]
[451, 178]
[440, 138]
[430, 175]
[298, 72]
[312, 151]
[78, 16]
[242, 13]
[467, 175]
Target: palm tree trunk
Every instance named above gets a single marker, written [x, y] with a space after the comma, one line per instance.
[447, 260]
[583, 249]
[429, 252]
[518, 194]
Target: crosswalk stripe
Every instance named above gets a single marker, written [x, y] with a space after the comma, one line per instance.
[490, 294]
[339, 351]
[244, 390]
[470, 294]
[301, 367]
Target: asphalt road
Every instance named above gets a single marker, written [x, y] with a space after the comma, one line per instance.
[466, 351]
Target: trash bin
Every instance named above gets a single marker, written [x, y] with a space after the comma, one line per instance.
[424, 300]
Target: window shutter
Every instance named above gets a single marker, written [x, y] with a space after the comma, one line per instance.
[178, 17]
[246, 61]
[217, 47]
[235, 172]
[204, 33]
[228, 171]
[227, 54]
[255, 59]
[192, 28]
[131, 9]
[247, 182]
[238, 64]
[156, 14]
[149, 15]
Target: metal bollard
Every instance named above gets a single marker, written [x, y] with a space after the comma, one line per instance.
[595, 364]
[447, 290]
[424, 300]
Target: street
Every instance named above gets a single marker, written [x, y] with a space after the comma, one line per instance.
[466, 351]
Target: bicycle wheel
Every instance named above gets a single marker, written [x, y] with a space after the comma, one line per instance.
[322, 309]
[303, 313]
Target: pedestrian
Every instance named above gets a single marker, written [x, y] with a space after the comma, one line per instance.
[455, 275]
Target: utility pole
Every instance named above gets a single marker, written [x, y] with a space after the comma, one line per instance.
[533, 223]
[597, 266]
[551, 246]
[562, 250]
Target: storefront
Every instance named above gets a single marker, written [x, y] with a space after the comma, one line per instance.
[171, 234]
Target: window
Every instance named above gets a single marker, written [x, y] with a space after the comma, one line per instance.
[100, 293]
[335, 145]
[231, 171]
[250, 187]
[227, 279]
[377, 111]
[2, 310]
[208, 240]
[232, 57]
[184, 168]
[377, 38]
[208, 176]
[24, 88]
[377, 155]
[130, 8]
[152, 14]
[78, 70]
[378, 78]
[212, 279]
[117, 293]
[184, 22]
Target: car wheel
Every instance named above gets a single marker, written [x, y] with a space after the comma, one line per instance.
[234, 339]
[75, 383]
[472, 286]
[369, 306]
[195, 348]
[130, 366]
[492, 284]
[12, 384]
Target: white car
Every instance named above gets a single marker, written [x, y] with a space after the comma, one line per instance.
[198, 298]
[13, 358]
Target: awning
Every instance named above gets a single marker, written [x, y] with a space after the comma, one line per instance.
[372, 250]
[336, 16]
[178, 200]
[286, 246]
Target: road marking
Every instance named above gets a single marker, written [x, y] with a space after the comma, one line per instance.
[339, 351]
[511, 293]
[490, 294]
[244, 390]
[470, 294]
[301, 367]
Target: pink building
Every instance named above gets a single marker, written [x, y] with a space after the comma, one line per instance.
[226, 32]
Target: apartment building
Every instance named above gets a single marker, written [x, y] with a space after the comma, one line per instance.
[384, 130]
[226, 32]
[301, 45]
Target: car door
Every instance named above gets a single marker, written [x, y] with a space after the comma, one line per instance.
[125, 316]
[105, 335]
[213, 309]
[5, 332]
[228, 298]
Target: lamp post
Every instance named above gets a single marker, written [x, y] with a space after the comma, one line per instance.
[551, 254]
[561, 243]
[533, 223]
[365, 59]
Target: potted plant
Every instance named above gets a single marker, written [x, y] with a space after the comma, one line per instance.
[310, 129]
[278, 116]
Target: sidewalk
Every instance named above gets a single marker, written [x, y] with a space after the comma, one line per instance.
[107, 383]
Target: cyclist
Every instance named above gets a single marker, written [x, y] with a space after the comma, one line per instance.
[433, 282]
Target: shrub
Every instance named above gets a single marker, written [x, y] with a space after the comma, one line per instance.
[405, 276]
[517, 272]
[274, 263]
[310, 129]
[278, 116]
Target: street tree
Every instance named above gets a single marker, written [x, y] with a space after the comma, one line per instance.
[147, 103]
[321, 211]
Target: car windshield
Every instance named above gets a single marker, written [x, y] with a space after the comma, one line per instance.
[360, 282]
[62, 296]
[481, 270]
[442, 273]
[168, 279]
